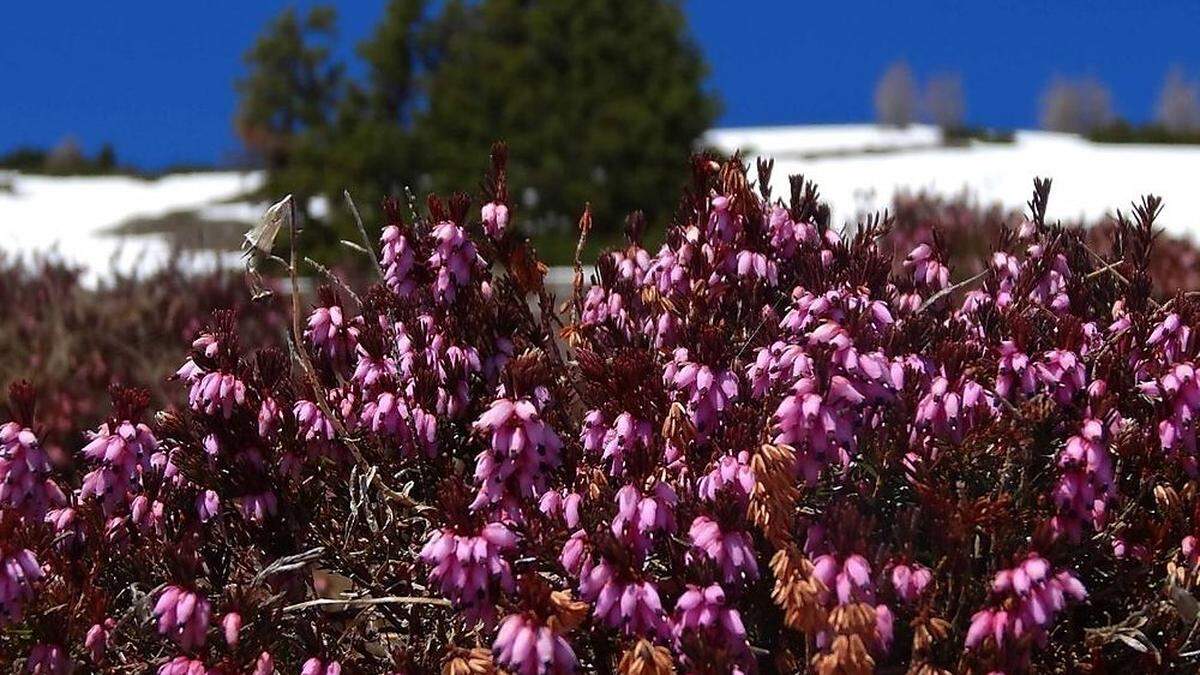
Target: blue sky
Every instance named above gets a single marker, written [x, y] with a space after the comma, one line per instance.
[156, 78]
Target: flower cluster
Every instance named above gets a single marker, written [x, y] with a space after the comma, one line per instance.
[764, 446]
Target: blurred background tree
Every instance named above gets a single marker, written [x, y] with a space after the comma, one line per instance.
[896, 96]
[944, 102]
[289, 97]
[1077, 106]
[1179, 103]
[598, 100]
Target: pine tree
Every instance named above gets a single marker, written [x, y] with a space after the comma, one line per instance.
[597, 99]
[292, 85]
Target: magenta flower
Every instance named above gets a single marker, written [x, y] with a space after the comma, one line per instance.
[1062, 374]
[467, 567]
[231, 625]
[639, 515]
[452, 260]
[1086, 484]
[526, 647]
[495, 219]
[397, 259]
[910, 581]
[950, 410]
[1027, 598]
[19, 571]
[48, 659]
[928, 272]
[632, 606]
[182, 665]
[208, 505]
[615, 440]
[217, 392]
[333, 334]
[731, 475]
[183, 616]
[123, 449]
[705, 391]
[315, 666]
[704, 612]
[522, 449]
[25, 485]
[96, 640]
[731, 550]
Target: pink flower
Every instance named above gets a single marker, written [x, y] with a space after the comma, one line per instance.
[208, 505]
[705, 612]
[48, 659]
[19, 571]
[706, 391]
[640, 516]
[182, 665]
[217, 392]
[522, 449]
[452, 260]
[397, 260]
[632, 606]
[616, 440]
[315, 666]
[467, 567]
[495, 219]
[183, 616]
[909, 581]
[333, 335]
[25, 485]
[96, 640]
[1030, 595]
[732, 550]
[731, 475]
[123, 449]
[264, 664]
[525, 647]
[231, 625]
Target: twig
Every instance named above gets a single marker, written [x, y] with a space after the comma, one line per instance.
[367, 602]
[333, 278]
[950, 289]
[289, 562]
[368, 248]
[311, 372]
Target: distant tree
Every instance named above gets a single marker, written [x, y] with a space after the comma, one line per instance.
[1076, 106]
[292, 85]
[66, 157]
[598, 100]
[896, 96]
[106, 159]
[1179, 103]
[944, 101]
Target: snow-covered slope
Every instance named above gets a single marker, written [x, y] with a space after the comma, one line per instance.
[71, 216]
[858, 167]
[1090, 179]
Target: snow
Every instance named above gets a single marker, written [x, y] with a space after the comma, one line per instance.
[858, 168]
[71, 216]
[799, 142]
[1090, 179]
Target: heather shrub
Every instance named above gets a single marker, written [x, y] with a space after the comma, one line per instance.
[973, 230]
[762, 448]
[72, 337]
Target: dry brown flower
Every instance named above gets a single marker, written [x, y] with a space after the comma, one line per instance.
[646, 658]
[796, 591]
[775, 492]
[476, 661]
